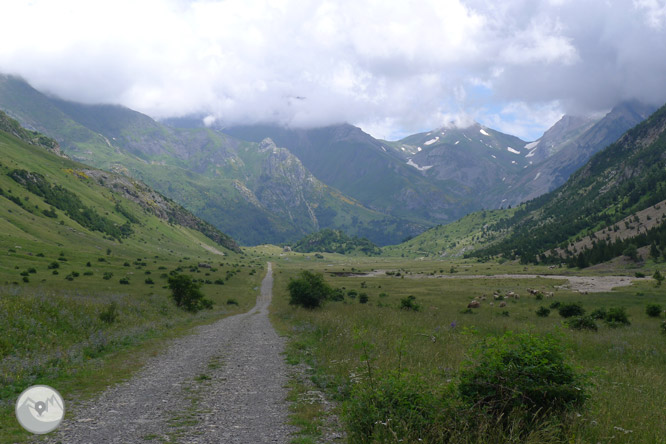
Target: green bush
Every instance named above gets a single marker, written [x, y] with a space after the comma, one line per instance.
[124, 281]
[521, 373]
[187, 294]
[582, 323]
[309, 290]
[394, 408]
[409, 304]
[232, 301]
[149, 281]
[338, 294]
[363, 298]
[617, 317]
[570, 310]
[653, 310]
[107, 275]
[109, 314]
[663, 327]
[599, 313]
[555, 305]
[543, 312]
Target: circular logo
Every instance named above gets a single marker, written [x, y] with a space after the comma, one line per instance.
[40, 409]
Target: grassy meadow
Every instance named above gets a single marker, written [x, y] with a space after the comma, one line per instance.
[82, 334]
[344, 341]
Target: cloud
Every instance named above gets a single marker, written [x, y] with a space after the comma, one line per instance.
[395, 67]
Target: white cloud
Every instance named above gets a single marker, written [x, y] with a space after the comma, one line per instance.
[395, 67]
[655, 11]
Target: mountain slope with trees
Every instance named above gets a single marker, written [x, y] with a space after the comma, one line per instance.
[625, 178]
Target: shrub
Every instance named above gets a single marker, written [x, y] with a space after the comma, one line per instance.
[186, 293]
[657, 276]
[663, 327]
[521, 373]
[338, 294]
[219, 282]
[617, 317]
[409, 304]
[88, 273]
[363, 298]
[53, 265]
[309, 290]
[352, 294]
[599, 313]
[543, 312]
[582, 323]
[653, 310]
[107, 275]
[124, 281]
[232, 301]
[394, 408]
[109, 314]
[555, 305]
[569, 310]
[149, 281]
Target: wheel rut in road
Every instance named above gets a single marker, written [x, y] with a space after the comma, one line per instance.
[223, 384]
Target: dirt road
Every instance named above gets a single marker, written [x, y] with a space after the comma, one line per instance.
[223, 384]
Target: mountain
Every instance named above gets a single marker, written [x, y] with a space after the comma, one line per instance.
[364, 168]
[434, 177]
[470, 161]
[257, 192]
[50, 201]
[442, 175]
[566, 147]
[265, 183]
[621, 181]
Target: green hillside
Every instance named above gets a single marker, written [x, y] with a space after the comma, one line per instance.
[454, 239]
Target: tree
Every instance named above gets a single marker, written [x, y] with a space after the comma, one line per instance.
[657, 276]
[631, 252]
[309, 290]
[186, 293]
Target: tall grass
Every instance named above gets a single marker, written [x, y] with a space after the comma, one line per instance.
[624, 365]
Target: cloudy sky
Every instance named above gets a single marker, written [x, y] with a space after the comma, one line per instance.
[390, 67]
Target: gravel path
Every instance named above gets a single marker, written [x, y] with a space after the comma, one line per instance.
[223, 384]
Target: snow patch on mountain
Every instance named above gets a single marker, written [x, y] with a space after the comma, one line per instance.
[410, 162]
[511, 150]
[483, 132]
[431, 141]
